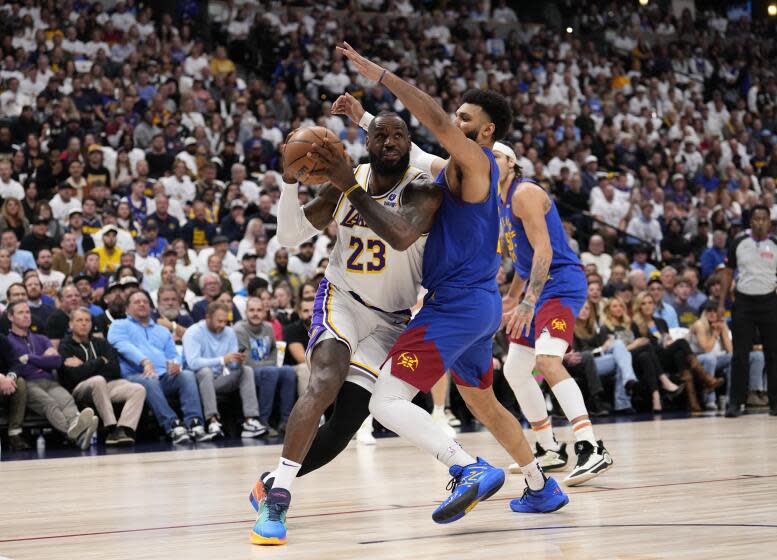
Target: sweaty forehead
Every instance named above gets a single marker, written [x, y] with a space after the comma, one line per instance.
[388, 124]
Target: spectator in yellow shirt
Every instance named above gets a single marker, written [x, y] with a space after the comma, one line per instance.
[220, 65]
[109, 253]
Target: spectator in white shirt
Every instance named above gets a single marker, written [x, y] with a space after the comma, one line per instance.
[559, 161]
[644, 226]
[337, 79]
[9, 187]
[196, 62]
[303, 263]
[63, 202]
[148, 265]
[596, 255]
[229, 262]
[179, 186]
[354, 144]
[12, 100]
[248, 189]
[270, 130]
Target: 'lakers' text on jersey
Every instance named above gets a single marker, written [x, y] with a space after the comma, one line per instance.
[364, 264]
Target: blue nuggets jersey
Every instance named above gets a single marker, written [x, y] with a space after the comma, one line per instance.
[461, 250]
[518, 248]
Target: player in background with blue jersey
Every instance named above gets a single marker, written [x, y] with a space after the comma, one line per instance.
[547, 292]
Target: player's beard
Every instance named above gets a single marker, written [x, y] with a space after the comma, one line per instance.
[386, 168]
[472, 135]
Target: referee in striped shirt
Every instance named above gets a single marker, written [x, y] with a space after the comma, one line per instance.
[752, 258]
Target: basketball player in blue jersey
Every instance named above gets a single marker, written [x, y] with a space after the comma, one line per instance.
[462, 309]
[546, 294]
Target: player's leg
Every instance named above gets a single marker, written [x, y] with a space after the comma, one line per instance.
[518, 370]
[473, 374]
[351, 408]
[439, 396]
[554, 321]
[333, 326]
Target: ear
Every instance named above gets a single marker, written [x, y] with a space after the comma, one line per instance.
[488, 130]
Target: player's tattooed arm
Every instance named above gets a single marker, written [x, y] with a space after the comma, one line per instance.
[402, 227]
[320, 210]
[531, 204]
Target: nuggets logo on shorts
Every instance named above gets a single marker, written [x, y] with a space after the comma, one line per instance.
[558, 325]
[407, 360]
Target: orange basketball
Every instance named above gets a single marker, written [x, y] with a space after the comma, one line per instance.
[295, 155]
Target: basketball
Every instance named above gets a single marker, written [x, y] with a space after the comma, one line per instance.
[295, 154]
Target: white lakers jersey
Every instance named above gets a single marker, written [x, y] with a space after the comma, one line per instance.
[362, 263]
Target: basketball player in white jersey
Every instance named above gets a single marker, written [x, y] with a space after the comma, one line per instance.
[363, 303]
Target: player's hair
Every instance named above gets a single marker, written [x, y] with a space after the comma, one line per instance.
[495, 106]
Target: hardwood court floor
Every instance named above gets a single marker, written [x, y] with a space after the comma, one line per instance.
[693, 488]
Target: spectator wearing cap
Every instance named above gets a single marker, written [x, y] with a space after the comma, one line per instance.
[63, 202]
[304, 263]
[84, 241]
[147, 355]
[156, 244]
[198, 232]
[590, 173]
[640, 255]
[248, 266]
[109, 253]
[51, 279]
[714, 256]
[91, 373]
[169, 227]
[159, 160]
[84, 286]
[37, 239]
[233, 225]
[189, 154]
[58, 323]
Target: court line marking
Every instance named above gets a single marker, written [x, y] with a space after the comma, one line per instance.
[397, 507]
[555, 527]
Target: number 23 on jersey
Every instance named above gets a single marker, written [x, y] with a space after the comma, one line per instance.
[374, 261]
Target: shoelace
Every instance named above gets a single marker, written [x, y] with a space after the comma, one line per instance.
[453, 483]
[275, 511]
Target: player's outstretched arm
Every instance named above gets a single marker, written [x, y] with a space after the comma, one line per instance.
[399, 228]
[531, 204]
[467, 154]
[349, 106]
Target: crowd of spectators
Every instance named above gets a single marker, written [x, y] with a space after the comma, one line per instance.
[139, 176]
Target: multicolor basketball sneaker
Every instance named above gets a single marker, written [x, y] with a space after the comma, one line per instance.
[259, 491]
[270, 526]
[469, 486]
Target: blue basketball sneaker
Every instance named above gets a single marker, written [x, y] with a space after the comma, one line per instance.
[270, 527]
[550, 498]
[469, 486]
[259, 491]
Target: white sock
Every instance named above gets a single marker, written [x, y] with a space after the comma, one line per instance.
[533, 475]
[438, 411]
[285, 473]
[570, 399]
[391, 405]
[518, 372]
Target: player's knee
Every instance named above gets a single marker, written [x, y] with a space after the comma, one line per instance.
[549, 366]
[519, 363]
